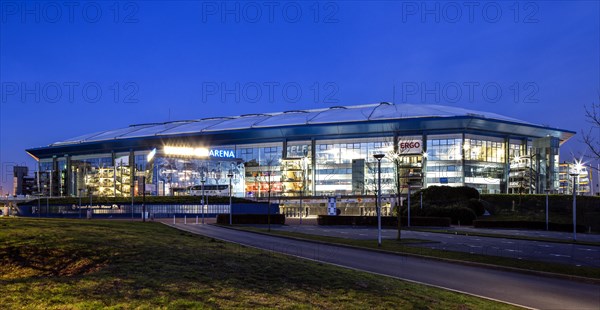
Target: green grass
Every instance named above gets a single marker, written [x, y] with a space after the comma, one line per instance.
[79, 264]
[405, 247]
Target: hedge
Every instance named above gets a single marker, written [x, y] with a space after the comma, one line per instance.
[537, 225]
[457, 214]
[445, 195]
[278, 219]
[388, 221]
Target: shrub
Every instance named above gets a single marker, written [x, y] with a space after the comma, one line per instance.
[475, 205]
[458, 214]
[447, 195]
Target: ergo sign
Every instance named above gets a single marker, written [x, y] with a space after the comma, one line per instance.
[410, 147]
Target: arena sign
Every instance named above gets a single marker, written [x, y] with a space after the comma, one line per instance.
[410, 147]
[198, 152]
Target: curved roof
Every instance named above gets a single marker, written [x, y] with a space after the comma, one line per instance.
[338, 114]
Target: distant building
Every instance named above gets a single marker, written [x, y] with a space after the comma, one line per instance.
[584, 180]
[22, 183]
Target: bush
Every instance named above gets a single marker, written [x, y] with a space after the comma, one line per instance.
[278, 219]
[446, 195]
[475, 205]
[457, 214]
[388, 221]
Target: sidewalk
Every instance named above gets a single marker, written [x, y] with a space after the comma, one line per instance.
[530, 233]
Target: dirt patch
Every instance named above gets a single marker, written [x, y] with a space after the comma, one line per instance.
[39, 261]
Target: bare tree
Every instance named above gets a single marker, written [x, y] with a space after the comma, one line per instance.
[270, 163]
[590, 138]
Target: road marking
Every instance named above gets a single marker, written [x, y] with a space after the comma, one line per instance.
[508, 242]
[511, 250]
[544, 245]
[560, 255]
[589, 250]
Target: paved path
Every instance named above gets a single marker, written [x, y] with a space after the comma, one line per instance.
[563, 253]
[521, 289]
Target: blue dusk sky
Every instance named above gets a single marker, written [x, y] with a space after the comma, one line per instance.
[69, 68]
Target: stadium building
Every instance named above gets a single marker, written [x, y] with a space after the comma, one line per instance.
[309, 153]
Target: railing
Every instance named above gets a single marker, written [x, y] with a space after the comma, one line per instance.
[157, 210]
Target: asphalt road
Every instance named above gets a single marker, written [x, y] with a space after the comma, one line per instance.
[520, 289]
[563, 253]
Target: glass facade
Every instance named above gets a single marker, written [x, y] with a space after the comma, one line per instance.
[444, 160]
[328, 167]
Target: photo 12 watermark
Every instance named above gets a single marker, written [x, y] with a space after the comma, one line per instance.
[68, 92]
[526, 12]
[269, 92]
[252, 12]
[69, 12]
[466, 92]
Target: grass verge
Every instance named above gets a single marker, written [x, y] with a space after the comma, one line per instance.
[405, 247]
[72, 264]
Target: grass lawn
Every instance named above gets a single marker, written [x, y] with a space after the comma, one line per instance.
[405, 247]
[73, 264]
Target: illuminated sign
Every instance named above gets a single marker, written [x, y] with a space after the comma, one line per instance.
[222, 153]
[410, 147]
[198, 152]
[151, 155]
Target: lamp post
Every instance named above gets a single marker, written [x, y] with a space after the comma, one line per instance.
[144, 198]
[408, 206]
[202, 181]
[80, 190]
[230, 176]
[6, 205]
[378, 208]
[575, 173]
[303, 166]
[547, 192]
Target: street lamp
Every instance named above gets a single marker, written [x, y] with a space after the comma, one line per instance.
[575, 173]
[80, 190]
[547, 191]
[303, 166]
[202, 181]
[6, 206]
[230, 176]
[144, 198]
[408, 202]
[379, 157]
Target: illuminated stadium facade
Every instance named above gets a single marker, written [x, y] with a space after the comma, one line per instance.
[321, 152]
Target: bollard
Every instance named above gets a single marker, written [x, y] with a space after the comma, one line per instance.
[196, 220]
[185, 219]
[173, 219]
